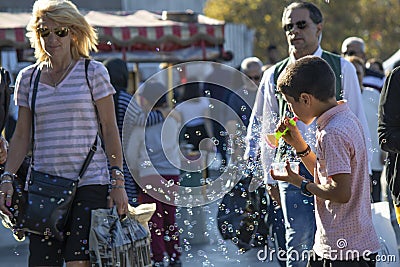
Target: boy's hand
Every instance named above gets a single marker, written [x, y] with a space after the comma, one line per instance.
[291, 176]
[293, 136]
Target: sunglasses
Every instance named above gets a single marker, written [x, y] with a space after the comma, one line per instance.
[302, 24]
[59, 31]
[350, 53]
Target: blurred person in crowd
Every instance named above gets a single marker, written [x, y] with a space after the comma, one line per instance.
[195, 111]
[303, 25]
[218, 86]
[396, 64]
[272, 54]
[241, 102]
[389, 133]
[355, 46]
[158, 160]
[375, 64]
[370, 100]
[119, 76]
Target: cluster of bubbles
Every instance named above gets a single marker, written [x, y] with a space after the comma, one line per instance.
[200, 185]
[207, 189]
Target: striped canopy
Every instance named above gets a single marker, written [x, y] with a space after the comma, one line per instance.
[138, 31]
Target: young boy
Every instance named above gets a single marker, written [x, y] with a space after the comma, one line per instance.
[345, 234]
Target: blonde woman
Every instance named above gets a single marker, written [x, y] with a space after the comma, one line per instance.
[65, 127]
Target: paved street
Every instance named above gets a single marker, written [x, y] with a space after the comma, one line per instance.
[202, 244]
[202, 248]
[12, 253]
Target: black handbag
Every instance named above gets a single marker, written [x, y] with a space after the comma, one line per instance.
[50, 200]
[44, 209]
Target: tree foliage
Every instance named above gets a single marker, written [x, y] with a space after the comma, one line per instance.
[376, 21]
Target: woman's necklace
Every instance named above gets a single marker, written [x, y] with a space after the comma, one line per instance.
[55, 83]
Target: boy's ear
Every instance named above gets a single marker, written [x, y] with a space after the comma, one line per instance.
[305, 98]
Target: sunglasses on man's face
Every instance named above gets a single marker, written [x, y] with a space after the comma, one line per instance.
[59, 31]
[350, 53]
[302, 24]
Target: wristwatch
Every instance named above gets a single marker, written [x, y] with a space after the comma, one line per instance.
[303, 187]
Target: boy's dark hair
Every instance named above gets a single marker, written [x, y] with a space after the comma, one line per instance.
[311, 75]
[315, 13]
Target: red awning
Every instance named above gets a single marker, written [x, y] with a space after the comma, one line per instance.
[141, 31]
[12, 29]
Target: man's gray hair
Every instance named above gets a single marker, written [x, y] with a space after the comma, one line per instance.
[351, 40]
[245, 65]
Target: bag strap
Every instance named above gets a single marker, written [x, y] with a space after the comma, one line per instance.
[5, 92]
[93, 148]
[87, 62]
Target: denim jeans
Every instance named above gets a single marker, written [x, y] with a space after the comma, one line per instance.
[298, 213]
[276, 223]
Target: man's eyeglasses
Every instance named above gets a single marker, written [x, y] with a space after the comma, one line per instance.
[350, 53]
[59, 31]
[302, 24]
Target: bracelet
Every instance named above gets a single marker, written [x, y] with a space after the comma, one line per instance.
[114, 180]
[304, 153]
[8, 174]
[116, 168]
[118, 171]
[5, 181]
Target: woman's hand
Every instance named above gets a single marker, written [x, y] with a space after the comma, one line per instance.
[6, 193]
[119, 198]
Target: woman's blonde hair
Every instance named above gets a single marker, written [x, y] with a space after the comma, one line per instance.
[83, 36]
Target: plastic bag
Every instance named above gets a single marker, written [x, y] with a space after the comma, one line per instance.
[142, 213]
[388, 254]
[117, 242]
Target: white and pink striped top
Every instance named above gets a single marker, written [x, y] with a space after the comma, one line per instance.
[66, 122]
